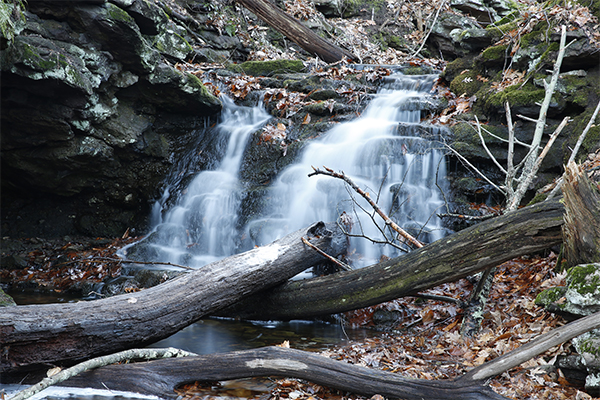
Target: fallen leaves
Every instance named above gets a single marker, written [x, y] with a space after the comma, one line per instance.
[59, 268]
[425, 342]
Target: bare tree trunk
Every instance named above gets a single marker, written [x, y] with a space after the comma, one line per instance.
[582, 218]
[295, 31]
[35, 335]
[485, 245]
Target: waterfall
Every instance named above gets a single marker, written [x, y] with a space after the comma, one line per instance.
[202, 226]
[387, 152]
[384, 153]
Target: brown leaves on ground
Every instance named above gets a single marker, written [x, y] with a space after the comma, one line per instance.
[60, 267]
[425, 342]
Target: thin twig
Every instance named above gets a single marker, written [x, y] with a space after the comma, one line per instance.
[388, 221]
[447, 299]
[340, 264]
[487, 150]
[463, 159]
[467, 217]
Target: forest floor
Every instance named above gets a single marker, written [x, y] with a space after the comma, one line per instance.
[422, 342]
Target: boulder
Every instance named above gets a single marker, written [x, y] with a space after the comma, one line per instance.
[580, 297]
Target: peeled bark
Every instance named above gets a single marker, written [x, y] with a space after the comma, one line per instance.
[34, 335]
[485, 245]
[295, 31]
[582, 217]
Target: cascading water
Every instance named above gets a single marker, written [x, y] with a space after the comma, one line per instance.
[202, 226]
[384, 153]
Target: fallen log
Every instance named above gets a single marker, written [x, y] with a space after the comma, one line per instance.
[162, 376]
[582, 216]
[34, 335]
[295, 31]
[487, 244]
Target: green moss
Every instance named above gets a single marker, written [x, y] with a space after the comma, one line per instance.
[268, 68]
[118, 14]
[536, 36]
[589, 346]
[538, 198]
[494, 53]
[455, 67]
[550, 296]
[466, 83]
[517, 96]
[585, 279]
[6, 300]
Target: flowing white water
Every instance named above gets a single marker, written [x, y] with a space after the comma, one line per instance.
[383, 153]
[202, 226]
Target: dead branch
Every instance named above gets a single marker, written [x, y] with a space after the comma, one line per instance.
[537, 346]
[388, 221]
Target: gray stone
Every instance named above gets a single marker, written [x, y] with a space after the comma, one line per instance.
[149, 17]
[580, 296]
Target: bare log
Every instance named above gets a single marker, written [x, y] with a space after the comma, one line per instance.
[582, 218]
[162, 376]
[34, 335]
[295, 31]
[485, 245]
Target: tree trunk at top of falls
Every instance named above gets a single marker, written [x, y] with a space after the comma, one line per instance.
[485, 245]
[295, 31]
[37, 335]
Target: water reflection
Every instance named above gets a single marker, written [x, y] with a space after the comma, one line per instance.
[216, 335]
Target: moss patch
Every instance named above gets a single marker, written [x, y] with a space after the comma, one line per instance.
[268, 68]
[585, 279]
[516, 96]
[494, 53]
[466, 83]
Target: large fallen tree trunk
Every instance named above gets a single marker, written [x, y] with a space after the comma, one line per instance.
[479, 247]
[162, 376]
[295, 31]
[37, 334]
[34, 335]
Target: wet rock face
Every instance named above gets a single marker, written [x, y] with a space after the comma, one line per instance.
[92, 116]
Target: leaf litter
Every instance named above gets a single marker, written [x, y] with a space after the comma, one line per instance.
[424, 342]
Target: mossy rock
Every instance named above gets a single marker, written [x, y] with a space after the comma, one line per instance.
[580, 296]
[6, 300]
[495, 55]
[467, 84]
[269, 68]
[454, 68]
